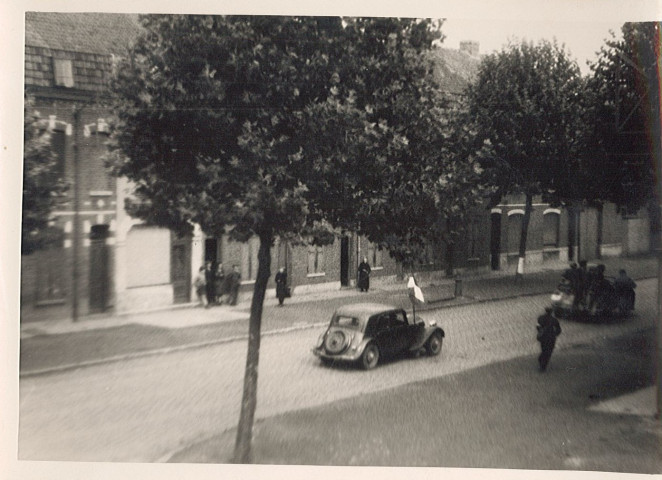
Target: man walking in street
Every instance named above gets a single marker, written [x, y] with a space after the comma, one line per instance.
[548, 329]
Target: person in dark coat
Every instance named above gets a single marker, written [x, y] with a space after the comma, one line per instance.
[281, 285]
[624, 287]
[548, 329]
[219, 278]
[364, 275]
[234, 280]
[210, 285]
[571, 275]
[582, 283]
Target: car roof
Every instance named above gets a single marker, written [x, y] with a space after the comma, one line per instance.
[364, 309]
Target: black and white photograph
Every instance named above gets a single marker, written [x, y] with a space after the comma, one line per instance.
[295, 241]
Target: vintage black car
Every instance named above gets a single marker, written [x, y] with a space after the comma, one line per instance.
[364, 332]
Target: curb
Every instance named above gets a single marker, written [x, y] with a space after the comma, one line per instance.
[190, 346]
[156, 351]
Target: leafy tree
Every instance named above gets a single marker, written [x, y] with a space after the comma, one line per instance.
[526, 107]
[623, 114]
[273, 127]
[42, 186]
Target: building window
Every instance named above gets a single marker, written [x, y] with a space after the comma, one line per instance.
[58, 144]
[514, 231]
[427, 256]
[315, 260]
[50, 275]
[64, 76]
[551, 229]
[375, 256]
[473, 239]
[249, 260]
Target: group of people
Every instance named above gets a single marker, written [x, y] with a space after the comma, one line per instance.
[591, 289]
[213, 286]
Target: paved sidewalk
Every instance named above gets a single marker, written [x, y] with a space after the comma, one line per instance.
[52, 346]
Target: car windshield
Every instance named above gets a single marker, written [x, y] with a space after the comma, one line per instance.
[345, 321]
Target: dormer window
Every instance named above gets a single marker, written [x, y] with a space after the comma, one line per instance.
[64, 76]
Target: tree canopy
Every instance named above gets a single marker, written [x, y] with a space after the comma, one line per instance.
[526, 106]
[623, 111]
[43, 185]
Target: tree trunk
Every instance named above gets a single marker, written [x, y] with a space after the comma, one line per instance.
[450, 253]
[524, 233]
[450, 247]
[242, 451]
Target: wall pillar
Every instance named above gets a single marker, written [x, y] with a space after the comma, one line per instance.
[197, 254]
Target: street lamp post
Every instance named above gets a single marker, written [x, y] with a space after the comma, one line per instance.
[76, 218]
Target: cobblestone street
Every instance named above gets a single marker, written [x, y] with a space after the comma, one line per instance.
[117, 411]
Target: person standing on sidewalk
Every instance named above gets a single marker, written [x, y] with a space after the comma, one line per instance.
[234, 282]
[548, 329]
[210, 284]
[364, 275]
[281, 285]
[200, 286]
[219, 278]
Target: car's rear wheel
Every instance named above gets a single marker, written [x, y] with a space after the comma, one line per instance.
[335, 342]
[433, 345]
[370, 356]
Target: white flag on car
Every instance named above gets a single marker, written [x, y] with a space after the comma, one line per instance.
[418, 293]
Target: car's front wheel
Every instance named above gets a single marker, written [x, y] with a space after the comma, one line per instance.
[370, 356]
[433, 346]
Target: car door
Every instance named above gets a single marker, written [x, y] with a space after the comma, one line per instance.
[383, 334]
[403, 334]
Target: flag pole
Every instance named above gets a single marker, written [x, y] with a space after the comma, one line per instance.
[413, 304]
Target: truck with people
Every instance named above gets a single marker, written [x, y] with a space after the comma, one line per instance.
[589, 294]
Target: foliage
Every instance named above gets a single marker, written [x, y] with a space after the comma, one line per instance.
[527, 107]
[623, 112]
[42, 186]
[527, 104]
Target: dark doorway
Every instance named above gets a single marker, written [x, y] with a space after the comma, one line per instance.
[99, 272]
[495, 241]
[344, 261]
[180, 268]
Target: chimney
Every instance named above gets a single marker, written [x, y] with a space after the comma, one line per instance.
[470, 47]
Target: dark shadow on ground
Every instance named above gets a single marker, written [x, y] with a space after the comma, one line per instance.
[504, 415]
